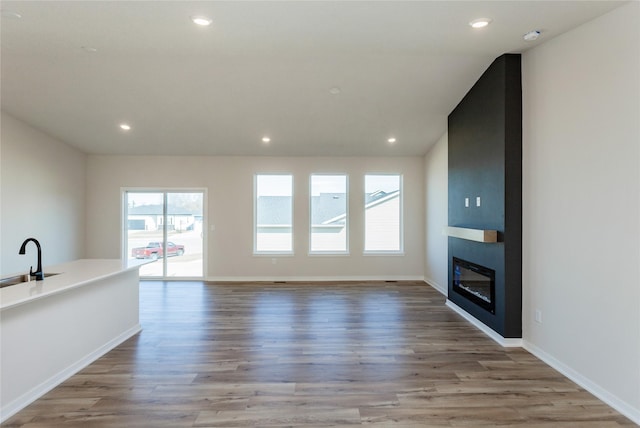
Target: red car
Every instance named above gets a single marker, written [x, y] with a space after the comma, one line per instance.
[154, 250]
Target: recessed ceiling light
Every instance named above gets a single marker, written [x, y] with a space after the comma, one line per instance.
[125, 126]
[480, 22]
[266, 140]
[201, 20]
[391, 140]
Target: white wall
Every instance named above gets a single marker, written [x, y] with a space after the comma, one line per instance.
[229, 181]
[581, 205]
[42, 195]
[436, 199]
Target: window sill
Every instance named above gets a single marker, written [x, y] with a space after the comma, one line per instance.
[383, 253]
[274, 253]
[329, 253]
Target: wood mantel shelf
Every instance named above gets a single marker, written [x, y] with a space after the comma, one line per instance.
[478, 235]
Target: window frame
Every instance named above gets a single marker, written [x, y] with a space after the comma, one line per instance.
[346, 251]
[257, 252]
[400, 250]
[124, 213]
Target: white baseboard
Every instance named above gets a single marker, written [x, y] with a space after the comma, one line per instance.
[621, 406]
[38, 391]
[313, 278]
[439, 288]
[502, 341]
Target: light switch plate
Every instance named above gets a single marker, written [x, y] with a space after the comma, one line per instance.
[466, 202]
[537, 316]
[477, 201]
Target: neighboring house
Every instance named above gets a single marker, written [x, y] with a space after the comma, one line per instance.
[150, 217]
[382, 222]
[328, 221]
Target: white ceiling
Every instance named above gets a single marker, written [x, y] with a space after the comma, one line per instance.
[262, 68]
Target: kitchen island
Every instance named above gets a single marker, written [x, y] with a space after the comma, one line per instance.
[51, 329]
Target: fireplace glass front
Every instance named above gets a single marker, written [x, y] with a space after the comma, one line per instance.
[476, 283]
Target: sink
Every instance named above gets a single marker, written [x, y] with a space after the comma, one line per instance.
[19, 279]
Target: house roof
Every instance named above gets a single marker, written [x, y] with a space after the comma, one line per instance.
[329, 208]
[158, 210]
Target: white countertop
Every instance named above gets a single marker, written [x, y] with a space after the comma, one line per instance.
[71, 275]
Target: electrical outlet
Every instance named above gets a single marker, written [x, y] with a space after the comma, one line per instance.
[537, 316]
[274, 261]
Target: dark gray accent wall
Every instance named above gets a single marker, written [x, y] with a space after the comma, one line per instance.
[485, 160]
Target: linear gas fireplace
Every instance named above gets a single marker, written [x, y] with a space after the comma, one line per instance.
[476, 283]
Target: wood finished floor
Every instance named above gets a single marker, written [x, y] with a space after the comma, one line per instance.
[312, 355]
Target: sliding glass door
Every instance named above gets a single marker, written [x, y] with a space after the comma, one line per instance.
[165, 228]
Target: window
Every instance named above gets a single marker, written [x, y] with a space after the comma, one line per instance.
[383, 213]
[273, 214]
[160, 223]
[328, 214]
